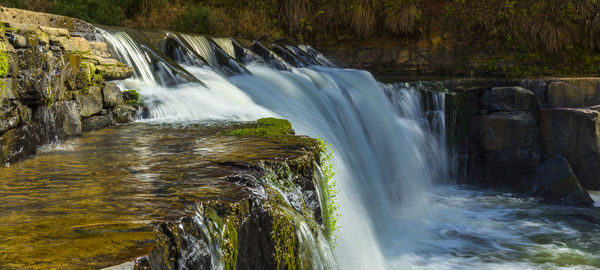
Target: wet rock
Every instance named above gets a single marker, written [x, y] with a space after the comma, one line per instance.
[33, 87]
[67, 118]
[124, 113]
[18, 41]
[112, 95]
[574, 134]
[555, 182]
[96, 122]
[509, 99]
[573, 93]
[115, 72]
[90, 101]
[15, 144]
[504, 130]
[9, 116]
[510, 167]
[174, 243]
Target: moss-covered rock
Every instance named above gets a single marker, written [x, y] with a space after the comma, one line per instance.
[265, 127]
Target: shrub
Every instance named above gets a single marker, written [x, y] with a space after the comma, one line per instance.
[107, 12]
[195, 20]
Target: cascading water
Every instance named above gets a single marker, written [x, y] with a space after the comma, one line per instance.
[390, 154]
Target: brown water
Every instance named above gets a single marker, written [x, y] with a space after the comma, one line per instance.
[92, 202]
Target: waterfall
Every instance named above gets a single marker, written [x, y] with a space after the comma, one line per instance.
[389, 148]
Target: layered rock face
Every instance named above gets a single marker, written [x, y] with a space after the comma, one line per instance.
[275, 221]
[504, 129]
[53, 82]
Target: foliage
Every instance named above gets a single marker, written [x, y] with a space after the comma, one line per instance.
[94, 11]
[326, 154]
[195, 20]
[549, 25]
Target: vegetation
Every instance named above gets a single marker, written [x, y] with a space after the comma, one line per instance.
[132, 97]
[331, 220]
[551, 37]
[266, 127]
[546, 24]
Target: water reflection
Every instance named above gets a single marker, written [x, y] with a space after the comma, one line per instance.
[92, 202]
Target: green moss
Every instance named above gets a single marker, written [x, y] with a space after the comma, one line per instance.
[284, 235]
[224, 225]
[267, 127]
[4, 68]
[132, 97]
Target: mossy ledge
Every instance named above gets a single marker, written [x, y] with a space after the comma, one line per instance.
[264, 127]
[267, 228]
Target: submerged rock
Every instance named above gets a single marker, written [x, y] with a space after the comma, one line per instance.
[556, 183]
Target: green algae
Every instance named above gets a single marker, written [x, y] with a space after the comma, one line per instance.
[266, 127]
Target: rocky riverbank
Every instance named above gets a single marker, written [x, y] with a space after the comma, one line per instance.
[54, 82]
[504, 129]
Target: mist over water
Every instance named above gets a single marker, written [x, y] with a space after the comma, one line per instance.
[398, 208]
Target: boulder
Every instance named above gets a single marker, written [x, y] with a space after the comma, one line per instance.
[90, 101]
[556, 183]
[502, 130]
[574, 134]
[67, 119]
[539, 88]
[512, 98]
[510, 167]
[115, 72]
[17, 143]
[573, 93]
[124, 113]
[112, 95]
[96, 122]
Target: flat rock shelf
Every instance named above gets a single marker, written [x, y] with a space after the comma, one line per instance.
[95, 201]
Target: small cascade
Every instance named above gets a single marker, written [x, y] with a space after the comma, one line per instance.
[226, 44]
[180, 50]
[203, 47]
[270, 57]
[318, 56]
[218, 59]
[150, 64]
